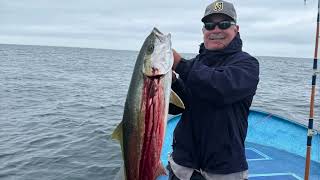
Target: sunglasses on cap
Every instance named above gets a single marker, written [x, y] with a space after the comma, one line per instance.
[222, 25]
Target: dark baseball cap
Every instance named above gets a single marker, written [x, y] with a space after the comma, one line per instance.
[220, 7]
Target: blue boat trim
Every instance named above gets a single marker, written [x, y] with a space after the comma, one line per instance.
[278, 116]
[270, 175]
[261, 154]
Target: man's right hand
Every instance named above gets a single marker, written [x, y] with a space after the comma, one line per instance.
[174, 76]
[176, 59]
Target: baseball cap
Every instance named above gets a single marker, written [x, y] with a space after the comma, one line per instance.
[220, 7]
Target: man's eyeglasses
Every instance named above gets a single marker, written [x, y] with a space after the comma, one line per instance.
[222, 25]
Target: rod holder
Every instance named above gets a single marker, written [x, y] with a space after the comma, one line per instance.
[312, 132]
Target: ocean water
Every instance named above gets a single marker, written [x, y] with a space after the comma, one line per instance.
[59, 106]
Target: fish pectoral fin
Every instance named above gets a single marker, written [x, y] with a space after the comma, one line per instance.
[161, 170]
[175, 99]
[117, 133]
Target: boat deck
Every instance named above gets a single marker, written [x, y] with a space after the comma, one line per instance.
[266, 162]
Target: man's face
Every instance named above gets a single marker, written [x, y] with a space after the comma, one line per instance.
[217, 38]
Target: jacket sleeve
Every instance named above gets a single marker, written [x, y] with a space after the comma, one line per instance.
[222, 85]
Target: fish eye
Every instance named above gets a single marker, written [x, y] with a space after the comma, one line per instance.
[150, 49]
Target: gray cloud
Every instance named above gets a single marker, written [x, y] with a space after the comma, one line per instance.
[285, 28]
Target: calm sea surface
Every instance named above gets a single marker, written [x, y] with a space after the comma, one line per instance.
[58, 107]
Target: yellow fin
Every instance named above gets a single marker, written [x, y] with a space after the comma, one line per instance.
[175, 99]
[117, 133]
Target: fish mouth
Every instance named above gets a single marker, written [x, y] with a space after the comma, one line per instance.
[157, 31]
[155, 77]
[156, 73]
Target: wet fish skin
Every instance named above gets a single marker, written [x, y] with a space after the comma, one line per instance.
[141, 132]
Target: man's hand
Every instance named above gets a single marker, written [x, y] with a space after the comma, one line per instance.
[175, 76]
[176, 58]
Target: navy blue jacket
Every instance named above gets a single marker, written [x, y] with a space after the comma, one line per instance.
[217, 88]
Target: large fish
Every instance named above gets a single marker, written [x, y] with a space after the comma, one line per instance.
[141, 132]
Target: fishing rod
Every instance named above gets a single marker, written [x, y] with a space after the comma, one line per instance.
[311, 131]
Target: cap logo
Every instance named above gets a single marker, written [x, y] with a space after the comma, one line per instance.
[218, 6]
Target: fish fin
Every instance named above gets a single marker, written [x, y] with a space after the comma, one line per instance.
[175, 99]
[161, 170]
[117, 133]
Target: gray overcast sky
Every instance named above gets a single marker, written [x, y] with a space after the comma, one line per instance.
[269, 28]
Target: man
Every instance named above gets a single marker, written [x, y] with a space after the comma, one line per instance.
[217, 87]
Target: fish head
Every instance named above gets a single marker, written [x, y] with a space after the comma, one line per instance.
[158, 57]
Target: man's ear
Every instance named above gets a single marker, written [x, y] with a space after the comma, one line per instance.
[237, 28]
